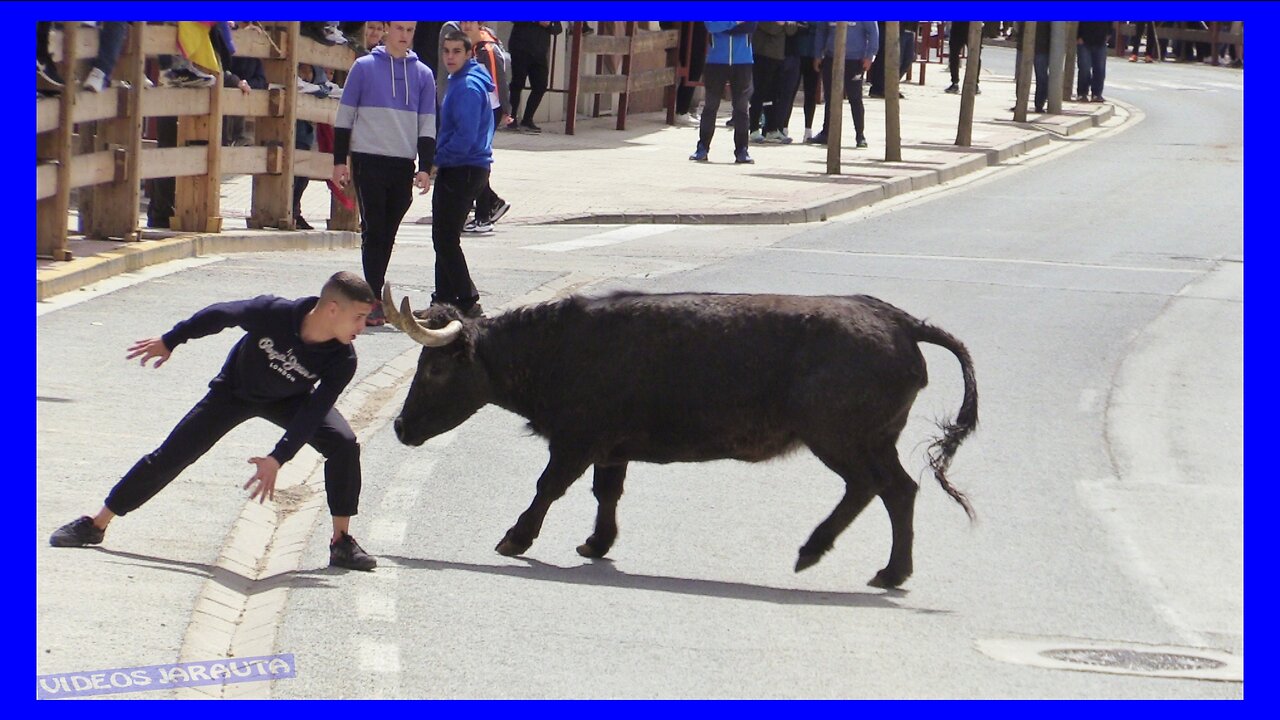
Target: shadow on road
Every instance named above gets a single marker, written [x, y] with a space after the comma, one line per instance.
[602, 573]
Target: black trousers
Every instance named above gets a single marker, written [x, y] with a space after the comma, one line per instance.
[384, 186]
[161, 191]
[714, 77]
[766, 79]
[531, 67]
[455, 189]
[487, 200]
[852, 91]
[959, 41]
[217, 414]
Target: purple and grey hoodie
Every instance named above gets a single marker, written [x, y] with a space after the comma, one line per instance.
[388, 108]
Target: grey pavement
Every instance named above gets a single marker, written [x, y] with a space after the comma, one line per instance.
[643, 175]
[197, 607]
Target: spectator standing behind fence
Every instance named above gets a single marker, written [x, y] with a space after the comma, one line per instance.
[906, 53]
[693, 44]
[1040, 63]
[530, 46]
[464, 157]
[386, 117]
[371, 34]
[1153, 44]
[958, 42]
[769, 51]
[860, 49]
[1091, 59]
[729, 60]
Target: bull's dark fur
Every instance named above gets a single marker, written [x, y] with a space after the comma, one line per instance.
[694, 377]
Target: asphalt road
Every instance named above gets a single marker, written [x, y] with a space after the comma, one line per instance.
[1099, 287]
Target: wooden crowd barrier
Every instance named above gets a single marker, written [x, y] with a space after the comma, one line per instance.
[92, 142]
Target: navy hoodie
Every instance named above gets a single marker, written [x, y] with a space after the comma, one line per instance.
[272, 362]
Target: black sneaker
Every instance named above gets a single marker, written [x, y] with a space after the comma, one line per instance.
[347, 553]
[77, 533]
[474, 312]
[499, 210]
[301, 223]
[528, 126]
[952, 89]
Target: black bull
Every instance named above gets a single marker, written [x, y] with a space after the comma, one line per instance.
[690, 378]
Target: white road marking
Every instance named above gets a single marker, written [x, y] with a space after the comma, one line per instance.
[387, 535]
[379, 657]
[120, 282]
[373, 605]
[609, 237]
[1007, 261]
[400, 497]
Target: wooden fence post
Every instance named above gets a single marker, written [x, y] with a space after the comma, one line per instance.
[273, 192]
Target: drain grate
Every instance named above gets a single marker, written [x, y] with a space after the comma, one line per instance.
[1125, 659]
[1117, 657]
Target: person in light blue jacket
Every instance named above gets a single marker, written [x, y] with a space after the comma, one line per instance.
[860, 48]
[729, 59]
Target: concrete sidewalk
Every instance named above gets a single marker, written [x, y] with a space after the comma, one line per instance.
[643, 175]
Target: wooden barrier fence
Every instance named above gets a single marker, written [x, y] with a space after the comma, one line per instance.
[93, 141]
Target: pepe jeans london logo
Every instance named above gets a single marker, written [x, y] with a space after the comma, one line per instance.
[284, 362]
[163, 677]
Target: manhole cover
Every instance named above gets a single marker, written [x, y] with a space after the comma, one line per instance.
[1133, 659]
[1120, 658]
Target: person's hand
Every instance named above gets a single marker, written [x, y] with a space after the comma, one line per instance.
[545, 24]
[265, 477]
[422, 181]
[341, 175]
[244, 86]
[148, 349]
[817, 64]
[866, 64]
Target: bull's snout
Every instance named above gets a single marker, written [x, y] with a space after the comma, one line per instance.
[399, 426]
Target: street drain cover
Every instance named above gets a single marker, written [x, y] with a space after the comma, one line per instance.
[1132, 659]
[1122, 658]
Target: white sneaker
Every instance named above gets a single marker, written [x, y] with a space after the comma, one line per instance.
[474, 226]
[777, 137]
[808, 133]
[96, 82]
[307, 88]
[756, 137]
[334, 35]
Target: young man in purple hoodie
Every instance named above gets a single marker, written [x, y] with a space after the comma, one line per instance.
[294, 360]
[464, 156]
[386, 118]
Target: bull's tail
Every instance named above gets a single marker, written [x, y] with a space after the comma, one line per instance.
[944, 448]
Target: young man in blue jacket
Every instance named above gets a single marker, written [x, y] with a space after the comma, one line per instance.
[860, 48]
[464, 155]
[294, 360]
[729, 59]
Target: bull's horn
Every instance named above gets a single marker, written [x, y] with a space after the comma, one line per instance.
[409, 325]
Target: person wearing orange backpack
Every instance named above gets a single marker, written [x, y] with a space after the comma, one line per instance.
[489, 53]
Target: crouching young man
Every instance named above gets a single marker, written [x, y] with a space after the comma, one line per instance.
[294, 360]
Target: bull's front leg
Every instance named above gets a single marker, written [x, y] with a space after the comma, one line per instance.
[563, 468]
[607, 487]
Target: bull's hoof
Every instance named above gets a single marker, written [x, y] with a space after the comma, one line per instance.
[590, 549]
[804, 562]
[511, 548]
[887, 580]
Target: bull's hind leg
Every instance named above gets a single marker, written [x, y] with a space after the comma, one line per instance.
[561, 471]
[859, 489]
[607, 487]
[899, 497]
